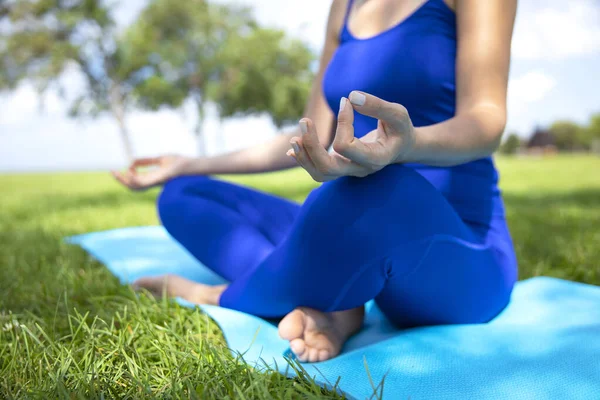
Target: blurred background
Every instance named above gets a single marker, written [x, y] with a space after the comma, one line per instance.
[86, 85]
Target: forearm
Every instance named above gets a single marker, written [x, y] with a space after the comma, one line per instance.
[469, 136]
[263, 157]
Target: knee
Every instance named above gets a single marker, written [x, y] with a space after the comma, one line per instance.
[376, 190]
[174, 196]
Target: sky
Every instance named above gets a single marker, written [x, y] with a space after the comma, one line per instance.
[555, 74]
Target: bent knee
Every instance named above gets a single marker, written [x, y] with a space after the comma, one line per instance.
[392, 180]
[174, 196]
[449, 282]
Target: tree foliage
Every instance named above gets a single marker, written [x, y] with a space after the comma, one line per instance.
[209, 52]
[41, 37]
[511, 145]
[591, 133]
[178, 45]
[175, 50]
[265, 72]
[45, 37]
[569, 135]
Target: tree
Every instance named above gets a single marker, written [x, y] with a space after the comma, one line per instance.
[181, 42]
[569, 136]
[594, 126]
[216, 53]
[177, 50]
[511, 144]
[265, 72]
[592, 131]
[47, 36]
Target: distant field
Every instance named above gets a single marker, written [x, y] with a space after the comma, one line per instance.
[69, 330]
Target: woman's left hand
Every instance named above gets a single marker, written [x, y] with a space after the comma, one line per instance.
[392, 142]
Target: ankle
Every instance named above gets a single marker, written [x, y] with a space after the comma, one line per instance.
[214, 294]
[349, 321]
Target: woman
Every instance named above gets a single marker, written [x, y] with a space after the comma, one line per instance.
[409, 213]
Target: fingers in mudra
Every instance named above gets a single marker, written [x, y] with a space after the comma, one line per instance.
[314, 157]
[134, 180]
[389, 143]
[393, 139]
[156, 171]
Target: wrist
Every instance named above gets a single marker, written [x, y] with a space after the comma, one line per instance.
[414, 153]
[190, 166]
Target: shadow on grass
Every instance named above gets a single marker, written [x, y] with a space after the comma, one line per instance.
[39, 269]
[32, 207]
[102, 199]
[557, 234]
[578, 198]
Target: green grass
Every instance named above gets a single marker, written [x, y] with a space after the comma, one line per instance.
[69, 330]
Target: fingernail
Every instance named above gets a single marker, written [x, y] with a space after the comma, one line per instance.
[357, 98]
[289, 153]
[343, 103]
[303, 127]
[295, 147]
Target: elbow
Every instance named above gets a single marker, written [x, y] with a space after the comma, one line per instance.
[492, 122]
[494, 142]
[495, 134]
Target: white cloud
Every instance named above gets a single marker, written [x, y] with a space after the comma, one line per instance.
[557, 29]
[525, 94]
[305, 19]
[529, 88]
[16, 106]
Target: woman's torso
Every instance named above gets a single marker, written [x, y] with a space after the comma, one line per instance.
[413, 63]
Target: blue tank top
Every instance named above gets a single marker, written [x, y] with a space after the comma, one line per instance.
[413, 63]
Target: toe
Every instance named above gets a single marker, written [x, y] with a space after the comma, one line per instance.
[324, 355]
[153, 284]
[292, 325]
[298, 347]
[313, 355]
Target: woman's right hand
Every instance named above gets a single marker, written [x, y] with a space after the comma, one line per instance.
[167, 167]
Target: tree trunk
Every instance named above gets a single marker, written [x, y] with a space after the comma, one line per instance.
[221, 136]
[127, 145]
[118, 111]
[200, 137]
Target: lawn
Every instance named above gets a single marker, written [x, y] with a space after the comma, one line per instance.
[69, 330]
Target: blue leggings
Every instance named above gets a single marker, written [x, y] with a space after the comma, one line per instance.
[390, 236]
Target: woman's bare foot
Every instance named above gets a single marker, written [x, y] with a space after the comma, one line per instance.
[318, 336]
[176, 286]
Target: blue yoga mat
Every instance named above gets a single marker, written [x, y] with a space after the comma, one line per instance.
[545, 345]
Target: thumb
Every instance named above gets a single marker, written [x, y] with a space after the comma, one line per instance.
[344, 142]
[393, 114]
[144, 162]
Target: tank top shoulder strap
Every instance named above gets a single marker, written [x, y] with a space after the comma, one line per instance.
[348, 10]
[344, 33]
